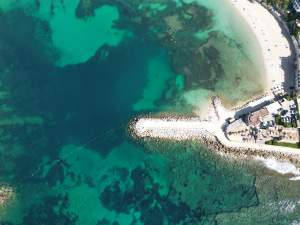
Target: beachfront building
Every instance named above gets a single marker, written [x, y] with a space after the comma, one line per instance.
[254, 119]
[282, 112]
[296, 5]
[274, 108]
[264, 117]
[275, 121]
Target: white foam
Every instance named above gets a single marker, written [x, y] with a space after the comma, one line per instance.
[281, 167]
[295, 178]
[296, 222]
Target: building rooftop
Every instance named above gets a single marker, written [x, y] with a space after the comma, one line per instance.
[255, 118]
[273, 108]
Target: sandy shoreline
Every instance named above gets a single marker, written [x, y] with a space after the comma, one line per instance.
[278, 58]
[274, 42]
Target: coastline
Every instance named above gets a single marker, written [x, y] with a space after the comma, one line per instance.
[278, 59]
[210, 133]
[274, 41]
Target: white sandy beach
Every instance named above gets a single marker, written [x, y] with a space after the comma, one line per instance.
[273, 40]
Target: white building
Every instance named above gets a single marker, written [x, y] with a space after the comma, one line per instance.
[274, 108]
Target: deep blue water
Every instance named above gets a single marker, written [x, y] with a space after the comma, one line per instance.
[64, 145]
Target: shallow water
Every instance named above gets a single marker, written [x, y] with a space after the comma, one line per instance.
[73, 75]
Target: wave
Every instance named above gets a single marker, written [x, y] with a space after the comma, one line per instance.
[284, 168]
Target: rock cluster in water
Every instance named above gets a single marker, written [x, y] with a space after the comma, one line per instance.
[6, 193]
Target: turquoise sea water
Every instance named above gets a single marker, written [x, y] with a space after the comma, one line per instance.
[74, 73]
